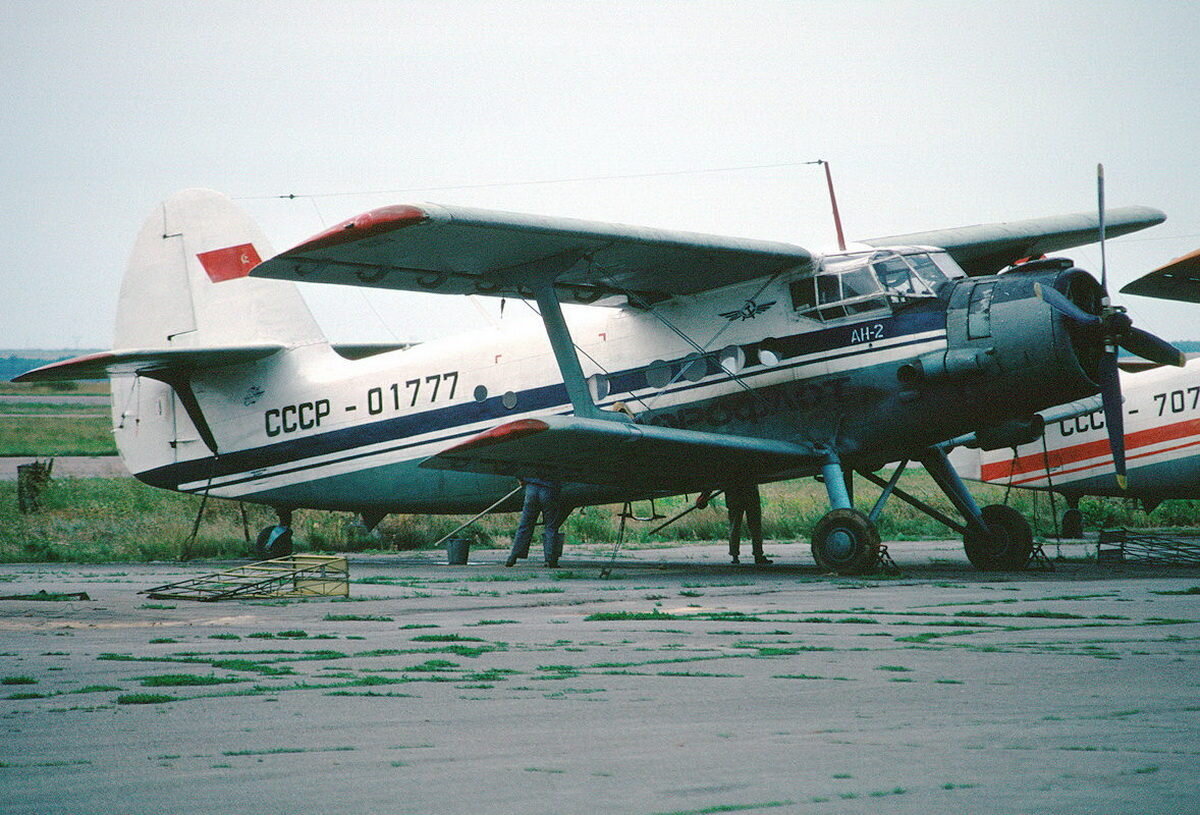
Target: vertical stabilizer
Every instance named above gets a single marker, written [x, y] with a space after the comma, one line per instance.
[187, 287]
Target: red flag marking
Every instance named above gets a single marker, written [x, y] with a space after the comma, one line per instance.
[229, 263]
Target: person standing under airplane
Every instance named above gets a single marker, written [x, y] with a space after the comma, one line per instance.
[542, 497]
[742, 501]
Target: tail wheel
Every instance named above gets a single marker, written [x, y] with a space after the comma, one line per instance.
[1009, 545]
[845, 541]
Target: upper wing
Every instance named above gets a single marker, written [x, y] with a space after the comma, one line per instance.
[624, 456]
[457, 250]
[1177, 280]
[987, 248]
[145, 361]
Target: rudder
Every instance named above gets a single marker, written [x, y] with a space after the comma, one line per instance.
[186, 285]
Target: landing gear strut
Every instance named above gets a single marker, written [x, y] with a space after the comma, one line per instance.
[845, 540]
[275, 541]
[995, 538]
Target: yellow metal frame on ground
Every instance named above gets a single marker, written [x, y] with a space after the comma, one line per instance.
[291, 576]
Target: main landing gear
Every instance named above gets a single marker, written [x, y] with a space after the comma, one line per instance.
[275, 541]
[846, 540]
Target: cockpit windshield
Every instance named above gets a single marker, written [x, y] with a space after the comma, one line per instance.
[851, 284]
[912, 274]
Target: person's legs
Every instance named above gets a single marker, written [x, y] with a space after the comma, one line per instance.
[553, 516]
[529, 514]
[735, 532]
[754, 526]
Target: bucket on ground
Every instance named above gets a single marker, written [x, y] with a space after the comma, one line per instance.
[457, 550]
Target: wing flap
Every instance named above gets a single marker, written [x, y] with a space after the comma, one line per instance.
[628, 456]
[460, 250]
[987, 248]
[145, 361]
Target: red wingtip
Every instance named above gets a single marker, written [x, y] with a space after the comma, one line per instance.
[505, 432]
[375, 222]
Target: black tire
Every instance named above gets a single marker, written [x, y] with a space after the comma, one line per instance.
[1072, 524]
[845, 541]
[1007, 548]
[267, 549]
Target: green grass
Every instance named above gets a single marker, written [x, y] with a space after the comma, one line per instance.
[182, 680]
[18, 680]
[35, 435]
[51, 407]
[145, 699]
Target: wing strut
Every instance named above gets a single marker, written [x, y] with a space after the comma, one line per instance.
[564, 353]
[548, 270]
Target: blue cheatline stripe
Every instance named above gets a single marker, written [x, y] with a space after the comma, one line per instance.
[545, 398]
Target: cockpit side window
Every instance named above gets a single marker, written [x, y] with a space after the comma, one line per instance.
[894, 274]
[926, 270]
[804, 294]
[842, 287]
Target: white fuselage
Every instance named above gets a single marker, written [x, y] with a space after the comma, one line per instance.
[1162, 444]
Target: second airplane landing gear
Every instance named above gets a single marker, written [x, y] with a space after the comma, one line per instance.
[846, 540]
[275, 541]
[1072, 519]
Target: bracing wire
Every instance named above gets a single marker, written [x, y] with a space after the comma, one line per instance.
[532, 182]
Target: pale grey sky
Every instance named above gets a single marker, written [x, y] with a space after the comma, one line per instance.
[933, 114]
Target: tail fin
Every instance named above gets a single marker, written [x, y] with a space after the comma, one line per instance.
[187, 287]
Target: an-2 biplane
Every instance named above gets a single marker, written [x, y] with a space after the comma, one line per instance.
[735, 360]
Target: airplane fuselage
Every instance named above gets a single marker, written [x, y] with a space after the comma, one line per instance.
[306, 427]
[1162, 442]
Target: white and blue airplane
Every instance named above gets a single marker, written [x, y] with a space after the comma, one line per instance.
[710, 361]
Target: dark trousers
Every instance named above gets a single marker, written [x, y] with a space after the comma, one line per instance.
[544, 501]
[744, 502]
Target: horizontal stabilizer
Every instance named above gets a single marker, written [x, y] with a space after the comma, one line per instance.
[458, 250]
[145, 361]
[987, 248]
[1177, 280]
[627, 456]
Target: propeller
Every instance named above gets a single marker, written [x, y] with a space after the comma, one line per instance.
[1114, 329]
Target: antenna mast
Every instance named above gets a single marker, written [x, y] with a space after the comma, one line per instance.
[837, 219]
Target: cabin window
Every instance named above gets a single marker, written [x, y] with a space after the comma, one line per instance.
[732, 359]
[509, 400]
[481, 393]
[768, 356]
[658, 375]
[694, 367]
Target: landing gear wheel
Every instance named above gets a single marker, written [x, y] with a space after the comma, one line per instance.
[1007, 548]
[273, 542]
[845, 541]
[1072, 524]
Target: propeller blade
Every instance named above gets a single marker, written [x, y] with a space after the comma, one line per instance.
[1155, 349]
[1114, 411]
[1063, 305]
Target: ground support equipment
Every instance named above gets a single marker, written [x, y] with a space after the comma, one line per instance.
[292, 576]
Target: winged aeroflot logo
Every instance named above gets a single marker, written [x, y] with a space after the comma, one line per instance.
[748, 311]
